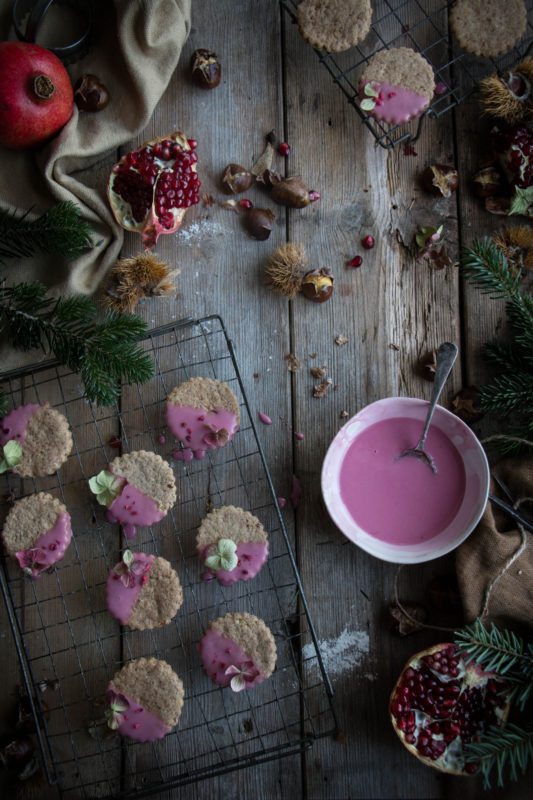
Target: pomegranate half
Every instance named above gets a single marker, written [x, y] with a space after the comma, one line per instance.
[36, 97]
[151, 188]
[441, 702]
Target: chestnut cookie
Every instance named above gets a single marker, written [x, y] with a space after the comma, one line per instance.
[35, 439]
[238, 650]
[334, 25]
[203, 414]
[137, 488]
[37, 532]
[396, 85]
[145, 699]
[143, 591]
[232, 544]
[488, 27]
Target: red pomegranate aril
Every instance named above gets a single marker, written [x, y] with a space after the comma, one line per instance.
[355, 262]
[368, 242]
[193, 144]
[246, 203]
[284, 149]
[314, 196]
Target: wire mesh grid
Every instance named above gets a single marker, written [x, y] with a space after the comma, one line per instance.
[65, 634]
[422, 26]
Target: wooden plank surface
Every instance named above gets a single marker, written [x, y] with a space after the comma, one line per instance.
[391, 310]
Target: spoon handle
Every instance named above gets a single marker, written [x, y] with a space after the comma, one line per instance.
[446, 355]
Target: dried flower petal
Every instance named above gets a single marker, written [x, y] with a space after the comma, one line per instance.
[264, 161]
[340, 340]
[294, 364]
[321, 389]
[264, 418]
[319, 372]
[281, 502]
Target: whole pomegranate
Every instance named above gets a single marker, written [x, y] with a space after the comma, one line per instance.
[151, 188]
[513, 147]
[36, 97]
[441, 702]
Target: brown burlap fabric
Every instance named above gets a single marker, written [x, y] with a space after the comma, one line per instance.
[486, 552]
[135, 51]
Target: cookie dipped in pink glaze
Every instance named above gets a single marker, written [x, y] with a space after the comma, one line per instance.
[39, 438]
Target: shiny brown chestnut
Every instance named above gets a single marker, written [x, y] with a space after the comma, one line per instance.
[317, 284]
[258, 222]
[90, 94]
[236, 179]
[290, 192]
[205, 68]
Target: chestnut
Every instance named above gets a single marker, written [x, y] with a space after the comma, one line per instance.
[90, 94]
[236, 179]
[290, 192]
[466, 404]
[487, 182]
[427, 365]
[205, 68]
[440, 180]
[317, 284]
[258, 222]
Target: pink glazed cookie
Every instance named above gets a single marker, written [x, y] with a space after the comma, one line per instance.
[396, 85]
[34, 440]
[143, 591]
[203, 414]
[37, 532]
[238, 650]
[232, 544]
[137, 488]
[144, 699]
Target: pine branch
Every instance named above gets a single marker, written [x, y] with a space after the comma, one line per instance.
[60, 230]
[104, 351]
[502, 652]
[507, 393]
[508, 748]
[506, 356]
[486, 267]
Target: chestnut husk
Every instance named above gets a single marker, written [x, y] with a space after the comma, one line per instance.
[317, 284]
[205, 68]
[90, 94]
[236, 179]
[440, 180]
[258, 222]
[487, 182]
[289, 192]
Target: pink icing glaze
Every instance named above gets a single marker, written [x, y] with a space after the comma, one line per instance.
[120, 598]
[48, 548]
[251, 555]
[136, 721]
[218, 653]
[394, 104]
[14, 424]
[196, 428]
[401, 501]
[132, 508]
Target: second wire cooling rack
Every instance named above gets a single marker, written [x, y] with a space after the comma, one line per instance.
[423, 26]
[66, 638]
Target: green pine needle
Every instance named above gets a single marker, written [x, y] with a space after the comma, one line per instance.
[105, 351]
[509, 748]
[61, 230]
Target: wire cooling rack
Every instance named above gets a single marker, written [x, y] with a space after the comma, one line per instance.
[65, 635]
[423, 26]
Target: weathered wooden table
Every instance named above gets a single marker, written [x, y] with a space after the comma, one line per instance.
[391, 310]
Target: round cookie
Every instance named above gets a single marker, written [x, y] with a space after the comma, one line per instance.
[334, 25]
[145, 700]
[37, 532]
[43, 435]
[238, 650]
[488, 27]
[143, 591]
[232, 544]
[138, 489]
[203, 414]
[396, 85]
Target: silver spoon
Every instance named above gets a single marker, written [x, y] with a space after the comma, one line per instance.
[446, 355]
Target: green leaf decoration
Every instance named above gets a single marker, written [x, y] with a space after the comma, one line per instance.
[367, 104]
[12, 452]
[238, 683]
[224, 557]
[370, 91]
[522, 202]
[127, 558]
[105, 486]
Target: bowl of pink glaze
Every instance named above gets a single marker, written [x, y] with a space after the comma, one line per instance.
[398, 509]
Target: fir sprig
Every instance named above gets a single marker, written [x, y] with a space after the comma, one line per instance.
[105, 351]
[60, 230]
[509, 749]
[486, 267]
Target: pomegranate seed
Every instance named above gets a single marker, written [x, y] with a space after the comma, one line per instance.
[391, 95]
[355, 262]
[368, 242]
[246, 203]
[284, 149]
[314, 196]
[193, 144]
[115, 441]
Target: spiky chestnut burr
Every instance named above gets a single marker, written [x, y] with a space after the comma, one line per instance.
[132, 279]
[517, 245]
[509, 96]
[285, 269]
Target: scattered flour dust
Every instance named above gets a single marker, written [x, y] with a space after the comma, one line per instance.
[342, 653]
[197, 231]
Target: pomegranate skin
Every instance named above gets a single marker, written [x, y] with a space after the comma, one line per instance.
[26, 119]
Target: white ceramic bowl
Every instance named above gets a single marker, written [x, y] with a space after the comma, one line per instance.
[470, 452]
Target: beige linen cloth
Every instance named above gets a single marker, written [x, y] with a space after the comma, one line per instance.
[135, 50]
[486, 552]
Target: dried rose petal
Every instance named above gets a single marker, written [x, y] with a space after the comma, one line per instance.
[281, 502]
[264, 418]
